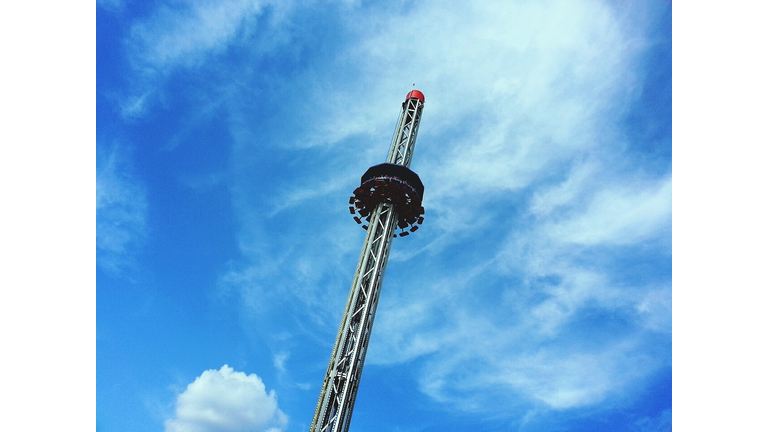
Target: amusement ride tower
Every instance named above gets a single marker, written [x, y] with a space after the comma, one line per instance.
[389, 198]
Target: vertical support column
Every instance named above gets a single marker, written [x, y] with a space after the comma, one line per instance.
[337, 397]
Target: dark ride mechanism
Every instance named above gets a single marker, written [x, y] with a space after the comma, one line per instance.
[389, 198]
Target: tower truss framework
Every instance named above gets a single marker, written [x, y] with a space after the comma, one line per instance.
[389, 198]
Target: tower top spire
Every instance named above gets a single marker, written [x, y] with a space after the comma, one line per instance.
[415, 94]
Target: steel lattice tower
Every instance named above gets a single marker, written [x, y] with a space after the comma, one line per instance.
[389, 197]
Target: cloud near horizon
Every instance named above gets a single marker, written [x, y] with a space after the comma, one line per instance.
[225, 400]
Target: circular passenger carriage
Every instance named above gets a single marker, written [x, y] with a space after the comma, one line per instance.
[392, 184]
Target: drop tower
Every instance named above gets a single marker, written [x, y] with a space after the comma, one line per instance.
[388, 204]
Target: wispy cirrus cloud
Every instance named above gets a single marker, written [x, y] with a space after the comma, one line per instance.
[659, 423]
[184, 33]
[546, 317]
[111, 5]
[617, 215]
[187, 35]
[121, 211]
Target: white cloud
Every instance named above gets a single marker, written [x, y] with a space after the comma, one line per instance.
[478, 352]
[134, 105]
[546, 200]
[227, 401]
[184, 34]
[619, 216]
[278, 360]
[111, 5]
[662, 422]
[188, 34]
[498, 69]
[516, 93]
[531, 341]
[121, 211]
[551, 377]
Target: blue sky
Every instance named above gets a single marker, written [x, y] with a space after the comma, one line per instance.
[230, 135]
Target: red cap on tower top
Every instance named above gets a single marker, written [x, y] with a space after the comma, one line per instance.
[415, 94]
